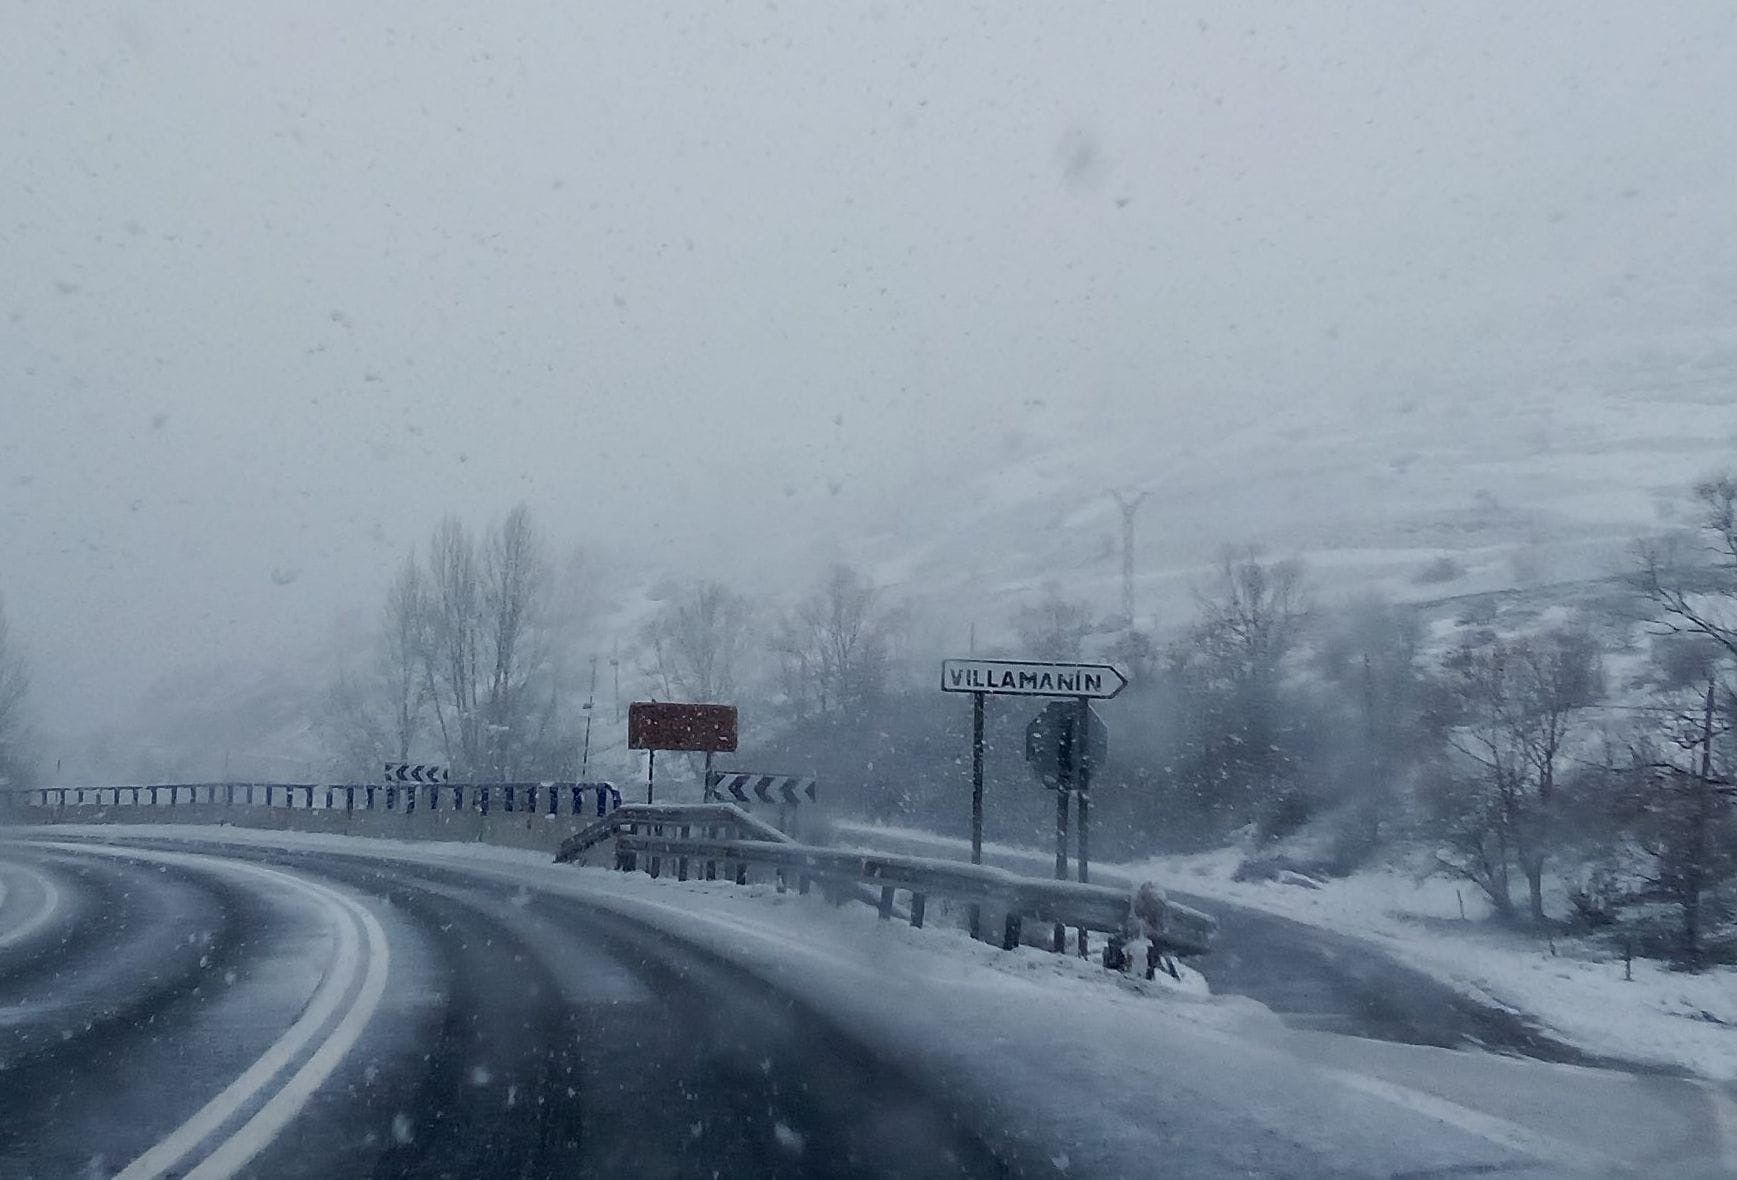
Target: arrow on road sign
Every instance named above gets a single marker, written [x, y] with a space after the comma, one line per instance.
[414, 772]
[1032, 678]
[767, 788]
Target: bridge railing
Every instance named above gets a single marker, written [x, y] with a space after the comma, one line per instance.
[537, 798]
[703, 837]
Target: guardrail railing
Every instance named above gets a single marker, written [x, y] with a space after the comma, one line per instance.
[710, 835]
[541, 798]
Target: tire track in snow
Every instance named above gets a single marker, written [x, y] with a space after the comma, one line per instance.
[39, 917]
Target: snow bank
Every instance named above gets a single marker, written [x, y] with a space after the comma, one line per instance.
[1578, 993]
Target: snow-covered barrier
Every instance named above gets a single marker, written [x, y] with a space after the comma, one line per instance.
[710, 835]
[527, 815]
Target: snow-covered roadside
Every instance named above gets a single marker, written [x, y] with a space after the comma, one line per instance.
[1579, 993]
[1661, 1016]
[1110, 1076]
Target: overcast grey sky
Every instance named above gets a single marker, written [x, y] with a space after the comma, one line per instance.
[724, 284]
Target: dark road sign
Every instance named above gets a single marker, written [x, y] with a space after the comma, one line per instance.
[414, 772]
[767, 788]
[655, 725]
[1032, 678]
[1049, 743]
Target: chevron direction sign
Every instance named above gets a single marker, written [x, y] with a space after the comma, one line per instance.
[414, 772]
[767, 788]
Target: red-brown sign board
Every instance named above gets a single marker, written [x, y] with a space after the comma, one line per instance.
[656, 725]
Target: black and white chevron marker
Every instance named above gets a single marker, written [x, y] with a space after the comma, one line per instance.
[767, 788]
[414, 772]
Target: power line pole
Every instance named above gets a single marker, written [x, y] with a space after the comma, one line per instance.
[1129, 502]
[590, 711]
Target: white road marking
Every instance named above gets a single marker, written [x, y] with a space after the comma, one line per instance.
[1496, 1130]
[350, 922]
[258, 1132]
[1724, 1124]
[35, 922]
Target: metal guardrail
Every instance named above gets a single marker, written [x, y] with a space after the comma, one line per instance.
[714, 834]
[537, 798]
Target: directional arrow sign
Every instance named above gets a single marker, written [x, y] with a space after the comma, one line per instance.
[768, 788]
[1032, 678]
[414, 772]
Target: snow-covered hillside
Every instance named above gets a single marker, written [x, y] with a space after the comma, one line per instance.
[1518, 484]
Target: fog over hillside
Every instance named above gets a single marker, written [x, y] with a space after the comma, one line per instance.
[740, 294]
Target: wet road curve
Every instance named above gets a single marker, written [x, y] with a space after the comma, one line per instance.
[259, 1012]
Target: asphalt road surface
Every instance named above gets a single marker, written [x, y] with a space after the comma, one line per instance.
[205, 1008]
[166, 1013]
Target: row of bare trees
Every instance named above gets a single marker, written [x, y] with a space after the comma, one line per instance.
[16, 758]
[466, 662]
[1508, 751]
[831, 652]
[473, 662]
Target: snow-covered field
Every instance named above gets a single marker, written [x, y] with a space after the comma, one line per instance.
[1579, 991]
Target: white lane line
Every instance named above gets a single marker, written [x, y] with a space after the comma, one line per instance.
[258, 1132]
[35, 922]
[339, 978]
[349, 921]
[1489, 1127]
[1724, 1124]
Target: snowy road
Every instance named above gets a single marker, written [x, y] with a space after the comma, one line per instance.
[184, 1014]
[262, 1005]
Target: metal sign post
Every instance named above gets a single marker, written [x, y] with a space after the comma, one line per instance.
[1061, 823]
[1065, 744]
[1083, 788]
[977, 699]
[1036, 678]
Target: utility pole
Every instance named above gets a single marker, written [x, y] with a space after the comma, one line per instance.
[615, 664]
[1129, 502]
[590, 710]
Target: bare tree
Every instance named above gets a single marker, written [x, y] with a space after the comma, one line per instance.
[1679, 802]
[453, 657]
[1517, 703]
[1251, 616]
[1691, 579]
[404, 646]
[1371, 658]
[1244, 730]
[515, 582]
[356, 737]
[832, 649]
[1674, 803]
[15, 755]
[698, 641]
[1054, 628]
[486, 654]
